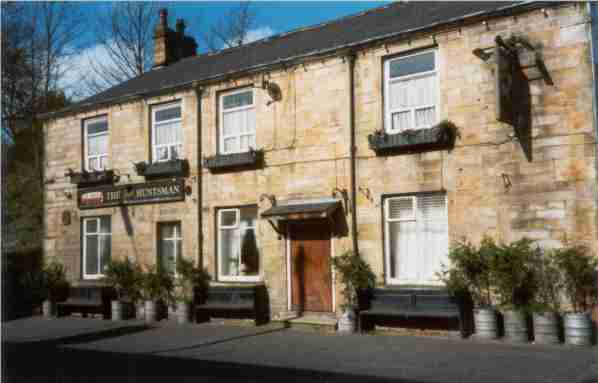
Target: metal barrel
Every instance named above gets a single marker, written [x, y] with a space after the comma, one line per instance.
[515, 322]
[485, 324]
[546, 328]
[182, 312]
[150, 311]
[347, 322]
[578, 329]
[117, 311]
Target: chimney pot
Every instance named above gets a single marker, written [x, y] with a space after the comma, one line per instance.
[180, 26]
[163, 16]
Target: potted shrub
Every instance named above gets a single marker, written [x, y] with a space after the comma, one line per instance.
[156, 288]
[469, 273]
[580, 277]
[124, 277]
[514, 277]
[189, 280]
[547, 302]
[355, 275]
[48, 285]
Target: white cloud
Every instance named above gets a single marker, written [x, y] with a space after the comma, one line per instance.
[257, 34]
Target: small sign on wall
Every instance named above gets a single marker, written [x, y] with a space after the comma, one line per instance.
[66, 218]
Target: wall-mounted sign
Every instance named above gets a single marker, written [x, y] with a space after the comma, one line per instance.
[132, 194]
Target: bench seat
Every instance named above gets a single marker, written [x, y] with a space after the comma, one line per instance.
[87, 300]
[389, 303]
[234, 302]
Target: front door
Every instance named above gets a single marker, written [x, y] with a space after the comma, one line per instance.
[311, 287]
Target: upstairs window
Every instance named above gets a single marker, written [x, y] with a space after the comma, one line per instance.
[411, 92]
[237, 121]
[96, 144]
[167, 132]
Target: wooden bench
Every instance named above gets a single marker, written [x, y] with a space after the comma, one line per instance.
[397, 303]
[234, 302]
[87, 300]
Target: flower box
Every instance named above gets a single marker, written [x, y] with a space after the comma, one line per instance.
[172, 168]
[83, 179]
[219, 162]
[441, 136]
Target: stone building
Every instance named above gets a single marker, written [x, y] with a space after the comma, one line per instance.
[391, 132]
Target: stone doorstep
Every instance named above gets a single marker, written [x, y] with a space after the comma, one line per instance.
[312, 322]
[399, 331]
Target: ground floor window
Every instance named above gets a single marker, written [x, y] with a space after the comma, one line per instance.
[416, 236]
[238, 254]
[96, 246]
[170, 245]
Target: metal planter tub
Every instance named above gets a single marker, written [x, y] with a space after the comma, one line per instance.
[546, 328]
[578, 329]
[515, 322]
[486, 324]
[222, 162]
[173, 168]
[441, 136]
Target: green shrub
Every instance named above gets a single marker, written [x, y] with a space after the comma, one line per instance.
[48, 283]
[354, 274]
[579, 270]
[157, 284]
[125, 277]
[549, 281]
[469, 272]
[190, 280]
[514, 274]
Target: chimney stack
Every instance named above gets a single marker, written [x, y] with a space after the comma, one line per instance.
[171, 46]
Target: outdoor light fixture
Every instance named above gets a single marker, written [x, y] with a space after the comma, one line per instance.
[482, 54]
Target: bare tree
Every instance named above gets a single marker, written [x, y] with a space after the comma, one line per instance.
[125, 34]
[231, 29]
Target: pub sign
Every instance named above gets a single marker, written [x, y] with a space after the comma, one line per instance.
[132, 194]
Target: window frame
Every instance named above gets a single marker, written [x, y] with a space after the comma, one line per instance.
[236, 226]
[98, 233]
[387, 112]
[221, 136]
[86, 156]
[154, 147]
[175, 238]
[389, 280]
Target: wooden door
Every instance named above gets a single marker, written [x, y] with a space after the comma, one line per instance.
[311, 286]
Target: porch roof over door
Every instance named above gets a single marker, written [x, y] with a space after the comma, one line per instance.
[302, 210]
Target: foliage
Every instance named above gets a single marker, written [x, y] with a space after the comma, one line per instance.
[549, 283]
[355, 275]
[470, 270]
[513, 271]
[189, 280]
[579, 270]
[48, 283]
[125, 277]
[157, 284]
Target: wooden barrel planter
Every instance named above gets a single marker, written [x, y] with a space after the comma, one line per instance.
[485, 322]
[183, 312]
[546, 328]
[49, 308]
[151, 313]
[116, 310]
[515, 322]
[578, 329]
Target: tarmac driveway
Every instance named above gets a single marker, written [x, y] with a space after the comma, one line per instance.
[71, 349]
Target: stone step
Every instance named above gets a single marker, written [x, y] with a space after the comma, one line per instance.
[323, 323]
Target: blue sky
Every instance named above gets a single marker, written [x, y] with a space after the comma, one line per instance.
[277, 17]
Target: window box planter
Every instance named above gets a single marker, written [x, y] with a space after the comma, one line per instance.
[441, 136]
[252, 159]
[83, 179]
[172, 168]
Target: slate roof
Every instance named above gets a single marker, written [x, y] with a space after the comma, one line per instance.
[393, 20]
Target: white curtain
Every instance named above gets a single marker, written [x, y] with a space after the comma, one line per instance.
[415, 95]
[238, 130]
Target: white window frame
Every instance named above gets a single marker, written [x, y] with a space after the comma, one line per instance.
[388, 128]
[101, 156]
[155, 109]
[415, 218]
[236, 226]
[98, 233]
[177, 237]
[221, 136]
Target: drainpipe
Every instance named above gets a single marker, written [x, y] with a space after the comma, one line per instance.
[198, 91]
[352, 151]
[593, 37]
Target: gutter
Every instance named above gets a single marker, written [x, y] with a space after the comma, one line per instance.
[198, 92]
[328, 52]
[352, 152]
